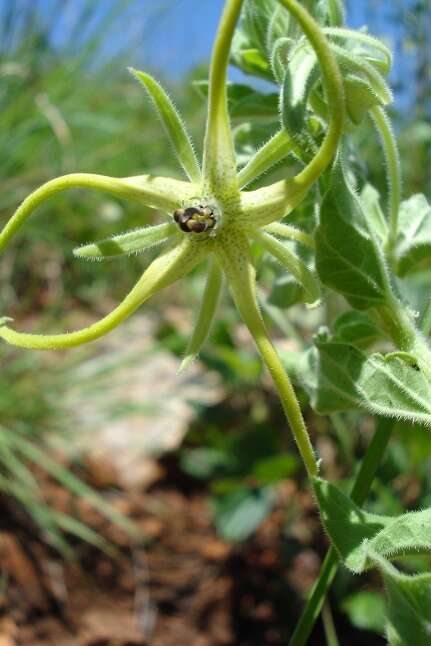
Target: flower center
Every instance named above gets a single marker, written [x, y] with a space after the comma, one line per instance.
[197, 219]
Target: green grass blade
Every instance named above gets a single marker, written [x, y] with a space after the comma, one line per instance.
[74, 484]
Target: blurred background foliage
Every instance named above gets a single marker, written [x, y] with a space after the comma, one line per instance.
[68, 104]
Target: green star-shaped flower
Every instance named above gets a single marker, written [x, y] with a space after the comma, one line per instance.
[212, 216]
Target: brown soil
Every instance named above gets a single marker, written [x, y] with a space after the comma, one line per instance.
[186, 587]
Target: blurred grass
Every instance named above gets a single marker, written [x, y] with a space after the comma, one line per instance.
[64, 108]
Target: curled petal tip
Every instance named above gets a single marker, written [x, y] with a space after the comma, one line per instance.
[312, 306]
[4, 320]
[186, 363]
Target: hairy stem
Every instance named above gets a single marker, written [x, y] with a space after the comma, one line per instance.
[219, 164]
[334, 89]
[390, 149]
[401, 328]
[361, 488]
[272, 202]
[234, 257]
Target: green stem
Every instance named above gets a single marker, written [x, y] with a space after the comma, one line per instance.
[273, 202]
[234, 257]
[284, 388]
[360, 491]
[426, 320]
[219, 163]
[334, 89]
[401, 327]
[329, 626]
[390, 149]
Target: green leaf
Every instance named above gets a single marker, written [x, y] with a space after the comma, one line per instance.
[341, 378]
[256, 19]
[348, 258]
[250, 137]
[275, 468]
[409, 606]
[245, 101]
[286, 291]
[173, 125]
[360, 97]
[373, 212]
[336, 13]
[249, 59]
[413, 252]
[126, 243]
[366, 610]
[238, 514]
[80, 530]
[363, 45]
[356, 63]
[356, 328]
[280, 57]
[358, 535]
[301, 74]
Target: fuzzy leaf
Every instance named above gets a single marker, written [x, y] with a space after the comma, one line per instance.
[280, 57]
[414, 239]
[249, 59]
[286, 291]
[301, 74]
[339, 377]
[377, 222]
[366, 610]
[363, 45]
[354, 63]
[360, 97]
[173, 125]
[409, 606]
[358, 535]
[126, 243]
[356, 328]
[336, 12]
[348, 258]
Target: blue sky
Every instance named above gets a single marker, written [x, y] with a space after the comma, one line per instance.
[181, 33]
[172, 36]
